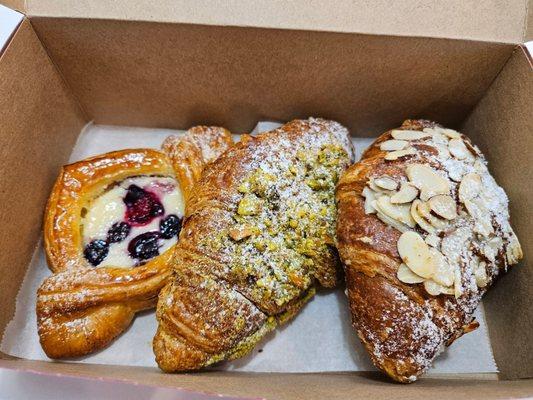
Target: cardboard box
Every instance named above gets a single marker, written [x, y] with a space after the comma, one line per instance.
[368, 65]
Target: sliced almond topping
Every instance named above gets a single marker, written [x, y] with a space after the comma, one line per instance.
[444, 274]
[394, 155]
[444, 153]
[451, 133]
[427, 180]
[480, 274]
[457, 283]
[240, 232]
[365, 239]
[495, 243]
[405, 275]
[431, 131]
[491, 248]
[432, 240]
[489, 253]
[425, 212]
[419, 219]
[469, 187]
[434, 289]
[437, 136]
[374, 187]
[477, 210]
[392, 145]
[409, 135]
[399, 212]
[459, 150]
[392, 222]
[406, 194]
[370, 197]
[474, 150]
[480, 166]
[456, 172]
[513, 251]
[415, 254]
[386, 182]
[378, 189]
[367, 192]
[444, 206]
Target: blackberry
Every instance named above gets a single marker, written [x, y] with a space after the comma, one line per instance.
[118, 232]
[96, 251]
[144, 246]
[170, 226]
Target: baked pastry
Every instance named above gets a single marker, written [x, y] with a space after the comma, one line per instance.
[423, 232]
[111, 224]
[257, 237]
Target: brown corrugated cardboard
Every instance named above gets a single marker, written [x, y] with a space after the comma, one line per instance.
[18, 5]
[497, 21]
[40, 122]
[505, 112]
[529, 22]
[528, 28]
[339, 386]
[186, 74]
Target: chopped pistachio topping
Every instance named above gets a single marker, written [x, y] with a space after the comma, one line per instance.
[249, 205]
[284, 222]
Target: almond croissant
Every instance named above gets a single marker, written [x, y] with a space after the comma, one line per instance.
[423, 232]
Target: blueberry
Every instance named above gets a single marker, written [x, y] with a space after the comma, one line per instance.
[145, 246]
[170, 226]
[96, 251]
[118, 232]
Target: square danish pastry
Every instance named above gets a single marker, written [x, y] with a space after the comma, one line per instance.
[111, 225]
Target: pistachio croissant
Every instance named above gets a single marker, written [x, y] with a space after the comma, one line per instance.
[258, 236]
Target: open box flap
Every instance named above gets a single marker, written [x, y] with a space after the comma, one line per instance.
[331, 386]
[486, 20]
[178, 75]
[17, 5]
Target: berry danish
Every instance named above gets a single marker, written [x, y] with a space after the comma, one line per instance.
[111, 225]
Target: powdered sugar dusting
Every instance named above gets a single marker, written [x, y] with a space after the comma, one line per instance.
[469, 239]
[284, 221]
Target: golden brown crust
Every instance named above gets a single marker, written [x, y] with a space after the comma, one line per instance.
[402, 326]
[235, 277]
[192, 153]
[80, 308]
[78, 184]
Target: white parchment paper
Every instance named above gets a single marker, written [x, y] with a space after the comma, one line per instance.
[319, 339]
